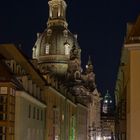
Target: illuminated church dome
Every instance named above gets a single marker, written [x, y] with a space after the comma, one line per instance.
[52, 48]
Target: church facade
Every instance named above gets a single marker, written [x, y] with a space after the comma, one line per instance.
[58, 99]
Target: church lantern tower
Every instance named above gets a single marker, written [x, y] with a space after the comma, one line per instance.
[57, 13]
[52, 47]
[107, 104]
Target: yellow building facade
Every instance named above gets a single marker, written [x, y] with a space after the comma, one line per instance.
[127, 86]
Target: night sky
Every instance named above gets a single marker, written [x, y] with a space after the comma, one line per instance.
[100, 25]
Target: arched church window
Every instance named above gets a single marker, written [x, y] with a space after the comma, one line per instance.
[54, 12]
[49, 32]
[34, 51]
[47, 47]
[65, 33]
[105, 109]
[77, 75]
[67, 48]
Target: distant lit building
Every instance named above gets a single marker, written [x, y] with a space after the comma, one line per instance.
[127, 86]
[107, 118]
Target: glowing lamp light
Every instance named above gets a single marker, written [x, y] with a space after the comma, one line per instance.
[86, 66]
[106, 101]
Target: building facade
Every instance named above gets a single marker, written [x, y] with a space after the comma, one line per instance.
[22, 105]
[127, 86]
[7, 104]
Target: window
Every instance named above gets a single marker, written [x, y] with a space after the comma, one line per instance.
[11, 117]
[65, 33]
[2, 133]
[110, 101]
[73, 125]
[55, 12]
[105, 109]
[37, 114]
[12, 108]
[49, 32]
[34, 113]
[3, 116]
[41, 115]
[3, 99]
[34, 51]
[3, 90]
[12, 92]
[55, 115]
[67, 49]
[47, 47]
[3, 108]
[29, 113]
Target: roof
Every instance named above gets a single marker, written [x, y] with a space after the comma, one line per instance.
[10, 51]
[134, 33]
[6, 75]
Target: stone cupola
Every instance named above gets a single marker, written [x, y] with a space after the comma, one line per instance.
[52, 47]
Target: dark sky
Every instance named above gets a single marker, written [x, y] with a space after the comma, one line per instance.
[100, 25]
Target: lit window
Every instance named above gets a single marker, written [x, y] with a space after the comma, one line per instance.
[47, 49]
[104, 109]
[3, 90]
[110, 101]
[67, 49]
